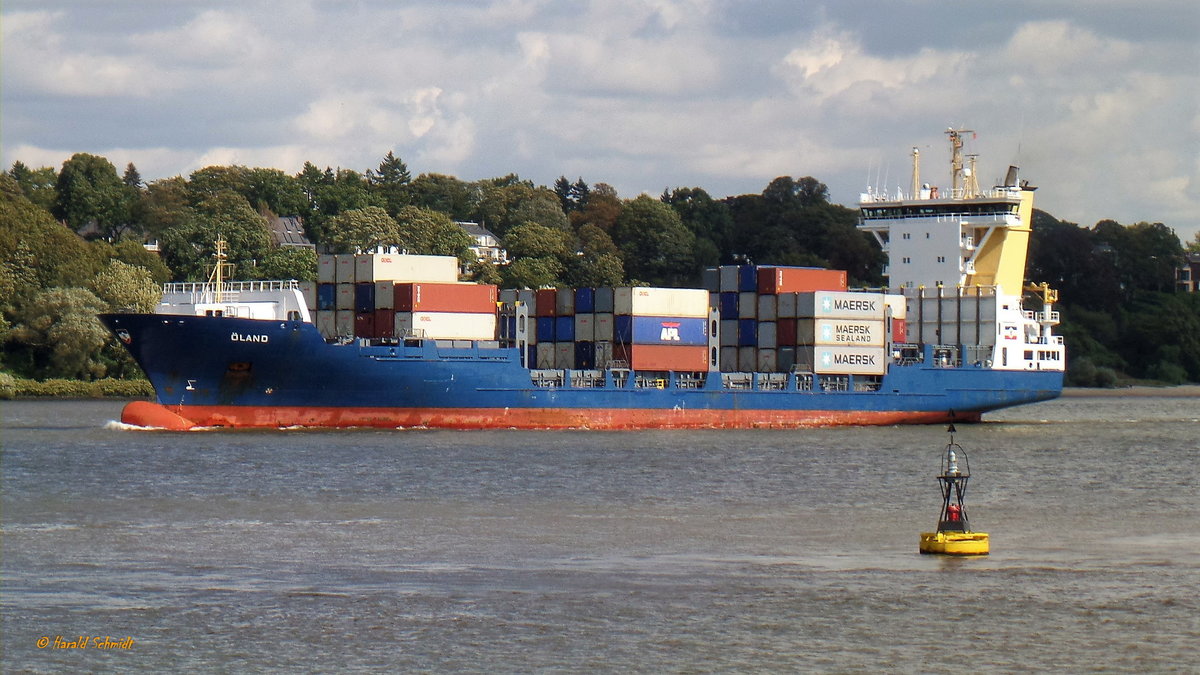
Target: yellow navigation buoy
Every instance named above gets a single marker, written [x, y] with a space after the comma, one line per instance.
[954, 535]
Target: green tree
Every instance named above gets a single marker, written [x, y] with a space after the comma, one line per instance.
[438, 192]
[361, 230]
[598, 262]
[655, 245]
[61, 334]
[331, 195]
[289, 262]
[125, 287]
[92, 198]
[427, 232]
[391, 182]
[35, 251]
[189, 248]
[38, 185]
[601, 208]
[533, 273]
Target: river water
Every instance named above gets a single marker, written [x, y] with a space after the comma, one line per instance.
[717, 551]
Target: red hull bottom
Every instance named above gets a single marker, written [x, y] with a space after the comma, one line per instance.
[178, 418]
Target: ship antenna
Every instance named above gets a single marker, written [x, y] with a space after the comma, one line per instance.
[916, 174]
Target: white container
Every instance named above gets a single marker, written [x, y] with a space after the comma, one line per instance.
[446, 325]
[344, 297]
[345, 268]
[833, 360]
[327, 268]
[677, 302]
[848, 332]
[585, 327]
[385, 295]
[309, 290]
[767, 308]
[603, 327]
[840, 305]
[748, 305]
[898, 304]
[397, 267]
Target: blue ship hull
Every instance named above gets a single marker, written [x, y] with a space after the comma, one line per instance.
[219, 371]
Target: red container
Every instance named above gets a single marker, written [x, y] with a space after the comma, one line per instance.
[899, 330]
[546, 300]
[385, 323]
[443, 297]
[660, 357]
[364, 325]
[775, 280]
[785, 332]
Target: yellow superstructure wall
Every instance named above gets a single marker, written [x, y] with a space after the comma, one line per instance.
[1002, 260]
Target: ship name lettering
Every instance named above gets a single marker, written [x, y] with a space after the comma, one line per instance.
[246, 337]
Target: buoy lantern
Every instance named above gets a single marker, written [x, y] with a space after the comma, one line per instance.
[954, 535]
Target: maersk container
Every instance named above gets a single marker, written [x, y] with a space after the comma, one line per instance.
[767, 335]
[364, 298]
[729, 332]
[327, 269]
[564, 303]
[385, 323]
[545, 329]
[840, 305]
[345, 268]
[446, 325]
[898, 304]
[585, 300]
[773, 280]
[344, 300]
[585, 327]
[747, 305]
[445, 297]
[834, 360]
[604, 327]
[604, 300]
[642, 301]
[659, 330]
[747, 333]
[343, 323]
[848, 332]
[326, 297]
[547, 301]
[564, 328]
[403, 267]
[766, 308]
[385, 295]
[663, 358]
[729, 305]
[585, 355]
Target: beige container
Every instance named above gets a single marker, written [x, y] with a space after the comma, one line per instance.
[397, 267]
[309, 290]
[846, 332]
[898, 304]
[585, 327]
[327, 269]
[344, 297]
[343, 323]
[326, 324]
[603, 326]
[446, 325]
[767, 362]
[385, 295]
[678, 302]
[345, 268]
[545, 355]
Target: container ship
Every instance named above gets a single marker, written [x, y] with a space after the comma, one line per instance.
[389, 340]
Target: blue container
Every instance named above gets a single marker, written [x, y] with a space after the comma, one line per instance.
[747, 333]
[585, 300]
[729, 305]
[545, 329]
[564, 329]
[326, 297]
[364, 297]
[585, 353]
[660, 330]
[747, 278]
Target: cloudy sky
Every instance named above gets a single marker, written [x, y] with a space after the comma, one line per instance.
[1096, 101]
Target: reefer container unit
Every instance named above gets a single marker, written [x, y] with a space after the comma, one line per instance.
[327, 269]
[403, 267]
[840, 305]
[836, 360]
[446, 325]
[385, 295]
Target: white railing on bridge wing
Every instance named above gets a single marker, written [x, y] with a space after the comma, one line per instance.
[229, 286]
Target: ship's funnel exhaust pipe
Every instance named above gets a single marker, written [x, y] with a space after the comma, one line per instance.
[1010, 179]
